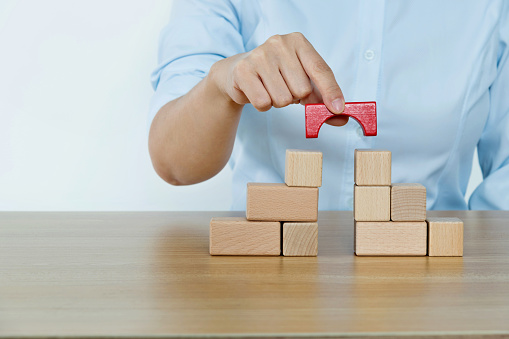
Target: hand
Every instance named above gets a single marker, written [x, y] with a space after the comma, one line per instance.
[285, 70]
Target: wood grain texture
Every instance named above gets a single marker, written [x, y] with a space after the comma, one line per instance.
[372, 167]
[300, 239]
[445, 237]
[303, 168]
[150, 275]
[279, 202]
[408, 202]
[372, 203]
[238, 236]
[390, 238]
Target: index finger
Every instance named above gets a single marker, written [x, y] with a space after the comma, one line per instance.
[322, 76]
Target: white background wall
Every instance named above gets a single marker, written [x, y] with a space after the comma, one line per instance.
[74, 93]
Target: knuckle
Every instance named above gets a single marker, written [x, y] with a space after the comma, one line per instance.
[297, 39]
[238, 96]
[283, 101]
[275, 40]
[298, 36]
[262, 104]
[262, 108]
[321, 67]
[303, 91]
[258, 55]
[275, 43]
[242, 69]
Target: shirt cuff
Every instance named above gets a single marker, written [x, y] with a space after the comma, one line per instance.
[170, 89]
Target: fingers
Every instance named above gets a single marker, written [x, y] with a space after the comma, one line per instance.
[284, 70]
[321, 75]
[339, 120]
[256, 93]
[313, 98]
[276, 87]
[246, 84]
[295, 77]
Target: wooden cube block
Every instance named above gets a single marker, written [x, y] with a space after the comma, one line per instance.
[238, 236]
[372, 203]
[300, 239]
[390, 238]
[372, 167]
[445, 237]
[408, 202]
[303, 168]
[279, 202]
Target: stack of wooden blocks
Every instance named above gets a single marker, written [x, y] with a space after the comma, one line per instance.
[390, 219]
[281, 219]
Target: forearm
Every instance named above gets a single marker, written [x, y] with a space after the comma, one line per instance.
[191, 138]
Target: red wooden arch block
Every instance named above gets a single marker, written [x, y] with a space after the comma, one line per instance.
[363, 112]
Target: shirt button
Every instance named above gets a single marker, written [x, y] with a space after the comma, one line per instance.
[369, 54]
[360, 132]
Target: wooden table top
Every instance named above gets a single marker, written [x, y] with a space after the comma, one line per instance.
[145, 274]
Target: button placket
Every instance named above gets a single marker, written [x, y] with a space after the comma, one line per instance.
[371, 34]
[371, 22]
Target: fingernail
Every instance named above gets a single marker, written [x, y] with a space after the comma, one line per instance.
[338, 105]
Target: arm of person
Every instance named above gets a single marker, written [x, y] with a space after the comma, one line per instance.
[493, 147]
[191, 137]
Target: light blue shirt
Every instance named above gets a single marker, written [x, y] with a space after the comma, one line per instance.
[438, 70]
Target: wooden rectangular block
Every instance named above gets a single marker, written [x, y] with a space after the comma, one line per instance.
[303, 168]
[372, 203]
[300, 239]
[390, 238]
[279, 202]
[238, 236]
[408, 202]
[372, 167]
[445, 237]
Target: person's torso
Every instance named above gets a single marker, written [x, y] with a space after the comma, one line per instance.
[427, 64]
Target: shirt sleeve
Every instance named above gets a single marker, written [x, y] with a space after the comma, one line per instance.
[493, 147]
[200, 33]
